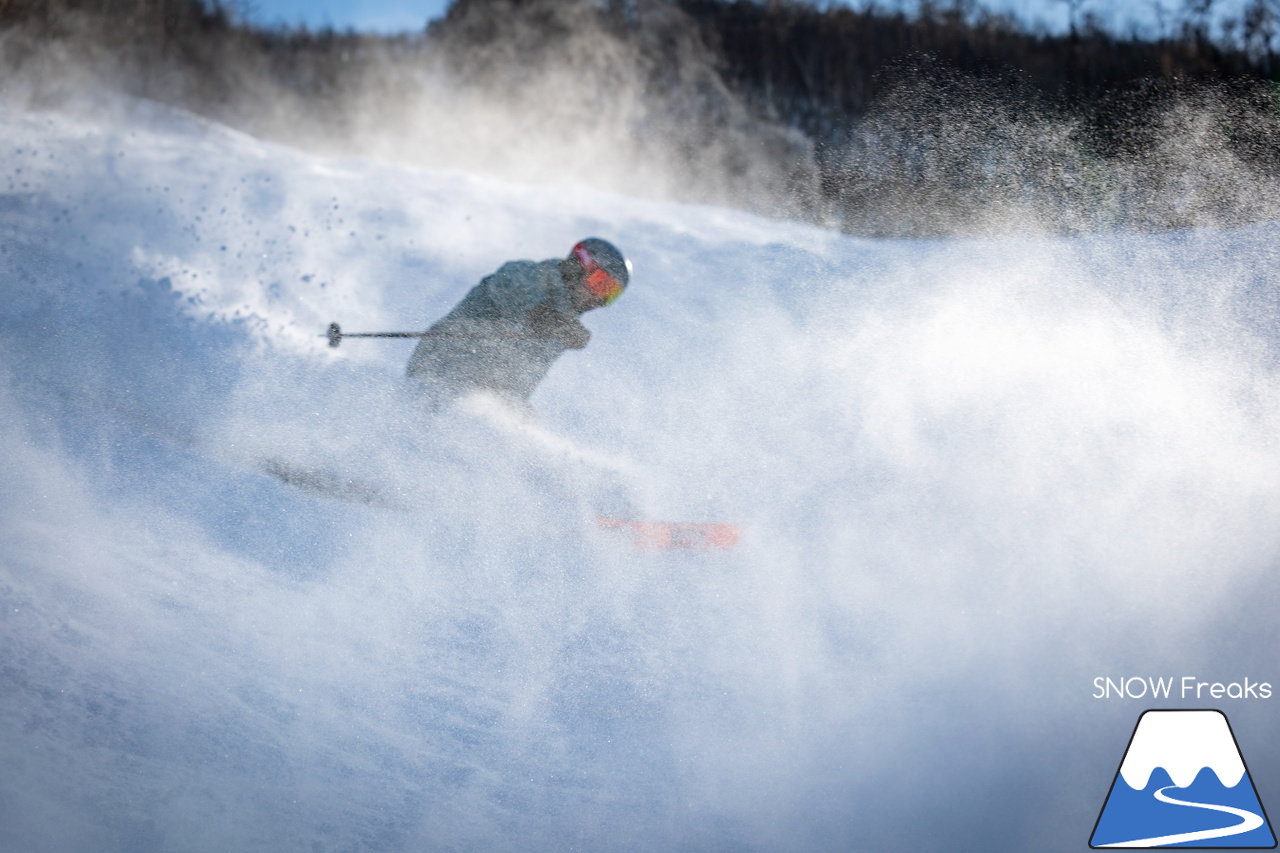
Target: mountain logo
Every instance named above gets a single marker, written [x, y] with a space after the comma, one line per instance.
[1182, 783]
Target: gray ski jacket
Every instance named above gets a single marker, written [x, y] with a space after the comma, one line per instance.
[502, 337]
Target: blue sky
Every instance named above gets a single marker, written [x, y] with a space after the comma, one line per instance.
[406, 15]
[370, 15]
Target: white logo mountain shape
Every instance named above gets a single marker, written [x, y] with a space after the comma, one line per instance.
[1183, 743]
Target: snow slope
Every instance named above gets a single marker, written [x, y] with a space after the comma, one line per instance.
[972, 476]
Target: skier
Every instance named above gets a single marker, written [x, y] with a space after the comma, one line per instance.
[503, 338]
[506, 333]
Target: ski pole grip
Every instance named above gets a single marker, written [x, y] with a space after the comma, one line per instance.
[335, 334]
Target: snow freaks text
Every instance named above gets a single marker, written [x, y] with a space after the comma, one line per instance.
[1186, 687]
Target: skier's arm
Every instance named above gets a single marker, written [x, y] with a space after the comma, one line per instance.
[546, 322]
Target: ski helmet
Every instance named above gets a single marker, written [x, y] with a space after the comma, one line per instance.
[605, 272]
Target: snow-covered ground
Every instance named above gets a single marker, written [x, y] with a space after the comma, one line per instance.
[972, 476]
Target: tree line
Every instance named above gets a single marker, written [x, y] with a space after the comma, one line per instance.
[939, 120]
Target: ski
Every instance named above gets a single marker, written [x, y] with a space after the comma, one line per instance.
[675, 535]
[326, 483]
[643, 535]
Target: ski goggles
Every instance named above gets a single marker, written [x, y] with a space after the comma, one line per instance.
[599, 283]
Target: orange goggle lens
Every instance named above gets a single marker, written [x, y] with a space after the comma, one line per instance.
[603, 286]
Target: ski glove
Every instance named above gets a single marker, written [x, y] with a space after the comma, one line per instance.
[548, 323]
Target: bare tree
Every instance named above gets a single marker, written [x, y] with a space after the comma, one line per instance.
[1259, 24]
[1161, 14]
[1073, 15]
[1199, 18]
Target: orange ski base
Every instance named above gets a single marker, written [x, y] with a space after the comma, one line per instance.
[665, 535]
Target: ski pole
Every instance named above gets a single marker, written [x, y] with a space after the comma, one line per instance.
[335, 335]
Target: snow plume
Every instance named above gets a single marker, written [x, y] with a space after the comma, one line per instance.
[946, 155]
[555, 93]
[546, 92]
[972, 475]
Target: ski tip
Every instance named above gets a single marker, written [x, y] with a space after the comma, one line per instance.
[326, 483]
[675, 535]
